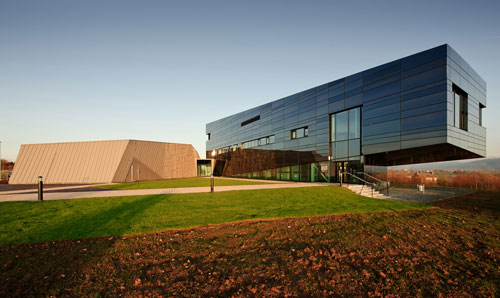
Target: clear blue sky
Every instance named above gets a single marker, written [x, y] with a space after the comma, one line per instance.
[160, 70]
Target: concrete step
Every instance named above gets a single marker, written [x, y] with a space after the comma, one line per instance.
[365, 191]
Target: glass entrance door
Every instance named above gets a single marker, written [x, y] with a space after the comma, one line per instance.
[352, 167]
[341, 166]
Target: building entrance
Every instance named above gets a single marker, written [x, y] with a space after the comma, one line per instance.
[353, 167]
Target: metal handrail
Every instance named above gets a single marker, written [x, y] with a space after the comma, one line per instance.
[380, 181]
[366, 182]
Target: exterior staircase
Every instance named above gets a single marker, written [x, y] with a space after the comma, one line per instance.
[365, 190]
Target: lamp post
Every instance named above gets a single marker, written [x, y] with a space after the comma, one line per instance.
[329, 165]
[212, 176]
[40, 188]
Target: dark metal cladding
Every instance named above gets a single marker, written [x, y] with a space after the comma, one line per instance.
[425, 107]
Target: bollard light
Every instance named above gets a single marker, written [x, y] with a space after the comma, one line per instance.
[40, 188]
[212, 183]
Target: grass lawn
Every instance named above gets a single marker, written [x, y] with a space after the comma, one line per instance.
[449, 251]
[184, 182]
[24, 222]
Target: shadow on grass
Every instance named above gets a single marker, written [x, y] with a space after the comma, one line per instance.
[115, 221]
[73, 257]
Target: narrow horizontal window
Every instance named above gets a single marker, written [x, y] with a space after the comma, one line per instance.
[253, 119]
[258, 142]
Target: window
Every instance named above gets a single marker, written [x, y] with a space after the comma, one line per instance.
[257, 142]
[481, 107]
[208, 134]
[341, 126]
[345, 134]
[354, 147]
[299, 133]
[460, 113]
[332, 128]
[341, 149]
[253, 119]
[354, 124]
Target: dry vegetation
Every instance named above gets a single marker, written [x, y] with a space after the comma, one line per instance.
[7, 167]
[461, 179]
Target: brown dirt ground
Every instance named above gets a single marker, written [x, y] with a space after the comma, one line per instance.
[453, 250]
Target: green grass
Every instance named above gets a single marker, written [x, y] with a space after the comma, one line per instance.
[25, 222]
[184, 182]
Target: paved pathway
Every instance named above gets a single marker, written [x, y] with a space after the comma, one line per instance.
[432, 194]
[97, 193]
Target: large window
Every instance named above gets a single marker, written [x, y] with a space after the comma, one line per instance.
[460, 113]
[354, 124]
[341, 126]
[345, 134]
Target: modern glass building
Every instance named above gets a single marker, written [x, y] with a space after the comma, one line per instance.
[426, 107]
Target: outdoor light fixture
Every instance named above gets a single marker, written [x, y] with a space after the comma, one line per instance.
[329, 158]
[212, 183]
[212, 176]
[40, 188]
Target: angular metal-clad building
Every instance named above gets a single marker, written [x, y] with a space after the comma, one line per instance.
[426, 107]
[103, 162]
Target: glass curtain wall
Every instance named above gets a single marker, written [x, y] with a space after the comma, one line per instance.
[345, 154]
[345, 143]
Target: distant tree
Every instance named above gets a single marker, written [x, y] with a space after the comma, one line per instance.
[7, 165]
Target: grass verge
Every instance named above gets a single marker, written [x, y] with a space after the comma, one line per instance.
[25, 222]
[184, 182]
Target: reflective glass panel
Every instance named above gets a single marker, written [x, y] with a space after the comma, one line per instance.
[300, 133]
[341, 126]
[354, 123]
[341, 149]
[332, 127]
[295, 173]
[354, 147]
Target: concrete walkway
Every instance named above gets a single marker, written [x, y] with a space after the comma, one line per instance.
[98, 193]
[48, 189]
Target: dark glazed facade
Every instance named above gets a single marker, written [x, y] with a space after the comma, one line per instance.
[422, 108]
